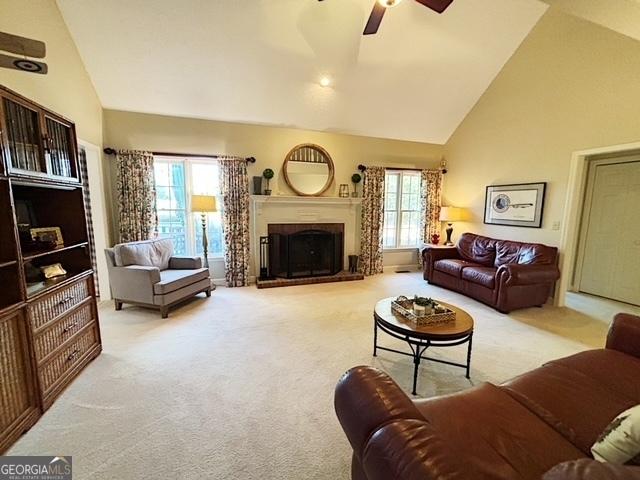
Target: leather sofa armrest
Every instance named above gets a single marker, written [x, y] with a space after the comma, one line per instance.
[587, 469]
[366, 399]
[185, 263]
[431, 254]
[439, 253]
[412, 450]
[624, 334]
[516, 274]
[134, 282]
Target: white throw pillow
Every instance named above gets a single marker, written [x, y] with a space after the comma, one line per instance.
[620, 441]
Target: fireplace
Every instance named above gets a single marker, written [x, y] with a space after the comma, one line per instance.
[297, 250]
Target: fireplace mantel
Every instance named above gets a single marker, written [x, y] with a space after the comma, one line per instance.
[282, 199]
[292, 209]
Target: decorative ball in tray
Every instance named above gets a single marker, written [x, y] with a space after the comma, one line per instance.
[422, 311]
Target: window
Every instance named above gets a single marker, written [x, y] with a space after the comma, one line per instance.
[176, 180]
[402, 209]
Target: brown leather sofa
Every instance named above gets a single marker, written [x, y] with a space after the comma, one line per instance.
[543, 421]
[504, 274]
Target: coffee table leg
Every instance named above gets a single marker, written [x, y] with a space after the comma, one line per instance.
[375, 338]
[416, 365]
[469, 355]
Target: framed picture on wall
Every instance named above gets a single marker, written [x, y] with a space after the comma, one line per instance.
[518, 205]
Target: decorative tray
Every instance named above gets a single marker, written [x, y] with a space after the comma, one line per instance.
[435, 314]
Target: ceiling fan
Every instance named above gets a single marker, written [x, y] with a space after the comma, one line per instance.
[25, 47]
[381, 6]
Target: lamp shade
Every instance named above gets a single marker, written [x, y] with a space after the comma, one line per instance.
[450, 214]
[203, 203]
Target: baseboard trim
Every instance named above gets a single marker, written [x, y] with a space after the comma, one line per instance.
[395, 268]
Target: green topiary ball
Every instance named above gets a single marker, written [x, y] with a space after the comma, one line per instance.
[268, 173]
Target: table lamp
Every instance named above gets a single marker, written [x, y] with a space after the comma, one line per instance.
[450, 215]
[204, 204]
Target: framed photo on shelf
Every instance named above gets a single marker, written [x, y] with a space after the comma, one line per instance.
[517, 205]
[48, 234]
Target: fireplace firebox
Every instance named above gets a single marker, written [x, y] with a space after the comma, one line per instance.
[305, 250]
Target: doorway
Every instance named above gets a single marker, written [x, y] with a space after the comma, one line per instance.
[608, 260]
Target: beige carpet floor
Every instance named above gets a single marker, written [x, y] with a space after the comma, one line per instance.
[240, 386]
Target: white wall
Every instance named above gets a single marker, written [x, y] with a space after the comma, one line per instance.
[66, 89]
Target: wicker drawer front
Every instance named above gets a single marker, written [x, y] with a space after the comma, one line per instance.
[67, 358]
[15, 387]
[63, 330]
[46, 309]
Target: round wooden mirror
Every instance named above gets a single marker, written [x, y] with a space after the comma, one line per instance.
[308, 169]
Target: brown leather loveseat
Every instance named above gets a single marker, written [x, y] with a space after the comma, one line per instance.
[543, 421]
[504, 274]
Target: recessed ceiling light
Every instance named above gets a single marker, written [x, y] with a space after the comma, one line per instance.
[325, 81]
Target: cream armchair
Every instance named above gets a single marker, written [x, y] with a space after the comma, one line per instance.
[147, 273]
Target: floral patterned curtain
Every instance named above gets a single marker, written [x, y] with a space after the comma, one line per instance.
[235, 220]
[136, 196]
[431, 201]
[372, 221]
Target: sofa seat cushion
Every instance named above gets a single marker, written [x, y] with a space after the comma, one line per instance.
[453, 266]
[172, 280]
[495, 435]
[485, 276]
[148, 253]
[613, 370]
[571, 402]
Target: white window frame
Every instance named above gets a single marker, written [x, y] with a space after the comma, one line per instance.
[399, 211]
[190, 236]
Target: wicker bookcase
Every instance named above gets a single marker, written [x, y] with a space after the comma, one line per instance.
[49, 329]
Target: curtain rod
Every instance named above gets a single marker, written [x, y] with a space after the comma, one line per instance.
[111, 151]
[362, 168]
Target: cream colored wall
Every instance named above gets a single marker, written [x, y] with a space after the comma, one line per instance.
[572, 85]
[67, 88]
[269, 145]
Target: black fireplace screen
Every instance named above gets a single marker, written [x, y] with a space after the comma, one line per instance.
[307, 253]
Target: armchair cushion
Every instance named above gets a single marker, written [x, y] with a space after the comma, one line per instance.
[152, 253]
[185, 263]
[171, 280]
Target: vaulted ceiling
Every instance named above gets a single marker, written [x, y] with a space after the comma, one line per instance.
[260, 61]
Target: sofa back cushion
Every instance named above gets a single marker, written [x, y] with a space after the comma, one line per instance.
[524, 253]
[477, 249]
[150, 253]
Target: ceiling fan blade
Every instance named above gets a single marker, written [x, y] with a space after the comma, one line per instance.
[17, 63]
[22, 45]
[374, 19]
[436, 5]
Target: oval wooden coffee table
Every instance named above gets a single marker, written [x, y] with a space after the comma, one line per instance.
[421, 338]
